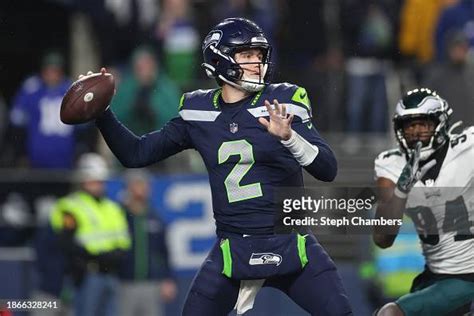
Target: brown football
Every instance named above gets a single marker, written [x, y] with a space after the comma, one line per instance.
[87, 98]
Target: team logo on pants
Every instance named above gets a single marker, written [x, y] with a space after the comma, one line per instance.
[265, 258]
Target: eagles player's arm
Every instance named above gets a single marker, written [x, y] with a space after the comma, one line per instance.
[302, 140]
[135, 152]
[392, 192]
[389, 206]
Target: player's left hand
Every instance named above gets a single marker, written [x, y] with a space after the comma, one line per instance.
[412, 172]
[280, 122]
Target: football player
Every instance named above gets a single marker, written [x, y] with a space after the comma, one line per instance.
[439, 166]
[254, 137]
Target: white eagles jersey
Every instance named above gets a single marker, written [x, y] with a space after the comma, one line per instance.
[442, 208]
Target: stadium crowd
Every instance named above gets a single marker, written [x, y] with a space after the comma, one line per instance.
[355, 58]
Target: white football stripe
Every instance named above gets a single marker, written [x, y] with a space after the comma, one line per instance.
[290, 109]
[199, 115]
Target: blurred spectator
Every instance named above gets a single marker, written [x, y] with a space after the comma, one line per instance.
[180, 40]
[15, 216]
[455, 18]
[3, 128]
[39, 137]
[3, 121]
[51, 268]
[262, 12]
[145, 272]
[418, 21]
[42, 138]
[93, 235]
[368, 38]
[120, 25]
[453, 79]
[310, 60]
[146, 98]
[304, 36]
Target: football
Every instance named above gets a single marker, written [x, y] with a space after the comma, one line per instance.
[87, 98]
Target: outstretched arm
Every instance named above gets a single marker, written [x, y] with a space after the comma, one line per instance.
[135, 152]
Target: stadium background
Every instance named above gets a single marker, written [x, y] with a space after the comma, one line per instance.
[318, 44]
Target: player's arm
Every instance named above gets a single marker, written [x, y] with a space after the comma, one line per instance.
[392, 196]
[135, 152]
[305, 144]
[312, 152]
[389, 206]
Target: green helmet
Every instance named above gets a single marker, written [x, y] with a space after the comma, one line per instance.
[423, 104]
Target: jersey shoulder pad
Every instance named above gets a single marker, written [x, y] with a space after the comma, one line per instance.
[463, 141]
[389, 164]
[204, 100]
[289, 93]
[295, 97]
[283, 90]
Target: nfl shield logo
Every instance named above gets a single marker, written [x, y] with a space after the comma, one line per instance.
[234, 127]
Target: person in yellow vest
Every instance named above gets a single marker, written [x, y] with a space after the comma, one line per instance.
[93, 233]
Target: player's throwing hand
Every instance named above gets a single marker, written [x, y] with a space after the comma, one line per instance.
[102, 71]
[280, 122]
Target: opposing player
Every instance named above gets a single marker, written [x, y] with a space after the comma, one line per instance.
[250, 148]
[431, 179]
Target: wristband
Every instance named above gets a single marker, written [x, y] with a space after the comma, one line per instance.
[303, 151]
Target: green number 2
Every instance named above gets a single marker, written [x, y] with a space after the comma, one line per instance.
[235, 191]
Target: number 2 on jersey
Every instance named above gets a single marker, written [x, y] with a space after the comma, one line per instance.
[235, 191]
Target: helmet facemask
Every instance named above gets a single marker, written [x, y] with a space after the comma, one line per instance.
[424, 106]
[408, 139]
[233, 73]
[256, 82]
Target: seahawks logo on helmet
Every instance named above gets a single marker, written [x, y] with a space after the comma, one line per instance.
[423, 104]
[213, 38]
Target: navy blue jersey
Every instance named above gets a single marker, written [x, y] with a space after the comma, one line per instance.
[245, 162]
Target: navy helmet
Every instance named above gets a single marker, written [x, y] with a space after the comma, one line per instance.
[227, 38]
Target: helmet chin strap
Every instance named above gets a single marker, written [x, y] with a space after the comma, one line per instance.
[253, 84]
[426, 152]
[245, 84]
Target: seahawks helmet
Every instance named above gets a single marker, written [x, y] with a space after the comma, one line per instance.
[229, 37]
[422, 104]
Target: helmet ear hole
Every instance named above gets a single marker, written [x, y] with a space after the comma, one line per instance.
[209, 73]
